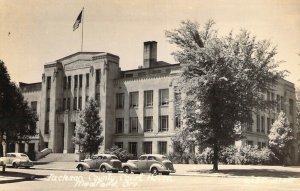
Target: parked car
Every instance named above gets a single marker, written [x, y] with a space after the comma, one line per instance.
[153, 163]
[17, 160]
[101, 162]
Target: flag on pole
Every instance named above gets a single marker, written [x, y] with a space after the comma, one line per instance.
[78, 21]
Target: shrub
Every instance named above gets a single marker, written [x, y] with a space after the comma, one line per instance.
[184, 158]
[122, 154]
[206, 156]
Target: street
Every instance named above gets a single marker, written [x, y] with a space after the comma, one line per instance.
[74, 180]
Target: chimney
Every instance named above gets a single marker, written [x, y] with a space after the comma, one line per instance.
[150, 54]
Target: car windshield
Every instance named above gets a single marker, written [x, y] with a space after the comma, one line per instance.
[114, 157]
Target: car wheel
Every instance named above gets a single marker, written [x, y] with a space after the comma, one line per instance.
[15, 165]
[103, 169]
[80, 168]
[154, 171]
[126, 170]
[165, 173]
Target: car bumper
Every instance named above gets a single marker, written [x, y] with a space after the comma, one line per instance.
[115, 169]
[25, 165]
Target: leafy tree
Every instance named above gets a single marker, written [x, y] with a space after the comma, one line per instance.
[122, 154]
[88, 132]
[182, 142]
[280, 137]
[17, 120]
[222, 79]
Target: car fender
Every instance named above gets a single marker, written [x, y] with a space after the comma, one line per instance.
[130, 165]
[107, 166]
[17, 161]
[85, 165]
[158, 166]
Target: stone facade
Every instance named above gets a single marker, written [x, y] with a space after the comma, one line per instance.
[137, 106]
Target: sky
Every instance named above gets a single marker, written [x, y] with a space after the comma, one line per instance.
[34, 32]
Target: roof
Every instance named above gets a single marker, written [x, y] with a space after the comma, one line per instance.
[30, 87]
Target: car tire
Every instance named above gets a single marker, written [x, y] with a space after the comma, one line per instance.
[15, 165]
[165, 173]
[154, 171]
[80, 168]
[126, 170]
[103, 169]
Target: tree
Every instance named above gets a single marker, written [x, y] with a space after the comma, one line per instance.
[88, 132]
[122, 154]
[17, 120]
[182, 142]
[280, 137]
[222, 78]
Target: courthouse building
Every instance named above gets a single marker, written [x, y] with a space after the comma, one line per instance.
[137, 107]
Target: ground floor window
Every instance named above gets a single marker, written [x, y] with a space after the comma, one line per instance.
[119, 144]
[132, 148]
[147, 147]
[162, 147]
[248, 142]
[119, 125]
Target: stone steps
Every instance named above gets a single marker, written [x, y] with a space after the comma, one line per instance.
[59, 157]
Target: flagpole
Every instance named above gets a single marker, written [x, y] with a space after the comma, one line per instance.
[82, 29]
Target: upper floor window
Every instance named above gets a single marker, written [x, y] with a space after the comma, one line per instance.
[98, 99]
[133, 125]
[98, 76]
[64, 104]
[75, 81]
[48, 105]
[163, 123]
[46, 130]
[291, 107]
[80, 103]
[134, 99]
[147, 147]
[120, 100]
[68, 103]
[87, 78]
[257, 123]
[80, 81]
[69, 82]
[148, 97]
[75, 103]
[33, 106]
[48, 82]
[164, 97]
[119, 125]
[262, 124]
[148, 124]
[177, 121]
[65, 83]
[268, 125]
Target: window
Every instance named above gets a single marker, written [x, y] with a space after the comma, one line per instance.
[147, 147]
[164, 97]
[257, 123]
[148, 124]
[48, 82]
[132, 148]
[33, 106]
[87, 77]
[248, 142]
[46, 144]
[291, 107]
[98, 99]
[80, 103]
[48, 105]
[86, 98]
[133, 125]
[134, 99]
[46, 130]
[120, 101]
[282, 103]
[163, 123]
[278, 103]
[262, 124]
[177, 121]
[119, 125]
[263, 145]
[75, 81]
[162, 147]
[65, 83]
[247, 127]
[148, 97]
[268, 125]
[259, 145]
[119, 144]
[80, 81]
[143, 158]
[64, 104]
[98, 76]
[75, 103]
[69, 82]
[68, 103]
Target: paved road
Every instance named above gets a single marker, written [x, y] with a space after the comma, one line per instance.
[73, 180]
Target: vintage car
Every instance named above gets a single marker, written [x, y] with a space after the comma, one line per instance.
[17, 160]
[101, 162]
[153, 163]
